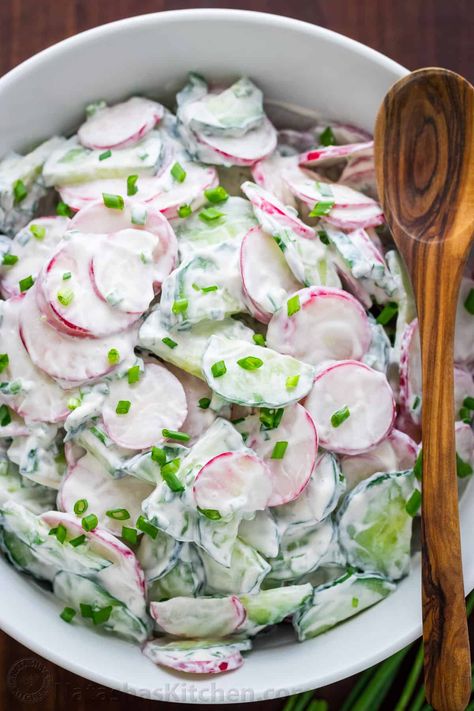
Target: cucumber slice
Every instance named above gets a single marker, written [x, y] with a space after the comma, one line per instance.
[76, 590]
[310, 260]
[198, 617]
[39, 456]
[185, 578]
[143, 467]
[261, 532]
[374, 526]
[404, 297]
[217, 538]
[244, 575]
[97, 443]
[158, 555]
[338, 601]
[265, 386]
[378, 354]
[13, 487]
[302, 549]
[121, 125]
[197, 656]
[191, 343]
[269, 607]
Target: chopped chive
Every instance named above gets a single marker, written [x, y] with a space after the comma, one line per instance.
[178, 436]
[26, 283]
[113, 356]
[118, 514]
[323, 236]
[169, 342]
[105, 155]
[158, 455]
[4, 361]
[469, 303]
[208, 289]
[211, 514]
[340, 416]
[184, 210]
[168, 473]
[279, 450]
[86, 610]
[5, 417]
[63, 210]
[65, 297]
[388, 312]
[123, 406]
[465, 415]
[416, 402]
[204, 403]
[133, 374]
[73, 403]
[355, 602]
[68, 614]
[78, 541]
[210, 214]
[61, 533]
[292, 381]
[463, 468]
[129, 534]
[259, 340]
[147, 527]
[38, 231]
[102, 615]
[179, 306]
[66, 276]
[327, 137]
[250, 363]
[216, 195]
[270, 418]
[9, 260]
[468, 402]
[323, 207]
[81, 506]
[418, 466]
[218, 369]
[90, 522]
[293, 305]
[178, 173]
[413, 504]
[19, 191]
[114, 202]
[132, 185]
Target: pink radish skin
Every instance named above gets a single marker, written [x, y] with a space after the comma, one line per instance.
[291, 473]
[329, 155]
[199, 617]
[198, 419]
[120, 125]
[195, 662]
[157, 402]
[268, 173]
[81, 195]
[270, 205]
[244, 151]
[410, 372]
[369, 398]
[72, 453]
[233, 481]
[266, 278]
[337, 320]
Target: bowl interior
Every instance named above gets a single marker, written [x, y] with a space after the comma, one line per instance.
[292, 62]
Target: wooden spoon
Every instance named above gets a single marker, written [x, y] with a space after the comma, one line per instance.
[424, 152]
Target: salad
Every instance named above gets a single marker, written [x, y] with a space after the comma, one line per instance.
[210, 386]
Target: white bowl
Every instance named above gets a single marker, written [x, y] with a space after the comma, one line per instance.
[291, 61]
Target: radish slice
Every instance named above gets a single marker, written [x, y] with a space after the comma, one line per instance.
[464, 335]
[339, 323]
[157, 402]
[261, 533]
[396, 453]
[266, 278]
[120, 125]
[268, 173]
[122, 270]
[410, 372]
[89, 480]
[199, 617]
[99, 219]
[197, 657]
[32, 252]
[86, 314]
[244, 572]
[351, 419]
[292, 471]
[275, 211]
[39, 399]
[302, 549]
[80, 195]
[190, 192]
[359, 173]
[72, 360]
[198, 398]
[269, 381]
[222, 150]
[463, 387]
[328, 155]
[233, 482]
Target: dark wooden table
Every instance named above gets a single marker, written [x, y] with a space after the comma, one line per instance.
[414, 32]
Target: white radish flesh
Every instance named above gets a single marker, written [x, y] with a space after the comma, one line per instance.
[199, 617]
[268, 204]
[198, 398]
[120, 125]
[213, 659]
[80, 195]
[268, 173]
[246, 150]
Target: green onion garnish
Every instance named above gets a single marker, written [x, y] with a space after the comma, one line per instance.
[340, 416]
[323, 236]
[323, 207]
[19, 191]
[81, 506]
[204, 403]
[133, 374]
[68, 614]
[63, 210]
[168, 472]
[65, 297]
[250, 363]
[327, 137]
[9, 259]
[78, 541]
[178, 173]
[102, 615]
[416, 402]
[211, 514]
[114, 202]
[293, 305]
[5, 417]
[184, 210]
[292, 381]
[469, 303]
[113, 356]
[179, 306]
[123, 406]
[388, 312]
[158, 455]
[90, 522]
[210, 214]
[418, 467]
[413, 504]
[465, 415]
[468, 401]
[118, 514]
[279, 450]
[216, 195]
[355, 602]
[66, 276]
[132, 185]
[178, 436]
[169, 342]
[26, 283]
[270, 418]
[259, 340]
[38, 231]
[218, 369]
[105, 155]
[73, 403]
[208, 289]
[147, 527]
[130, 534]
[86, 610]
[463, 468]
[4, 361]
[60, 532]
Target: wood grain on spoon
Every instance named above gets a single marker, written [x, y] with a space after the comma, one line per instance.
[424, 150]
